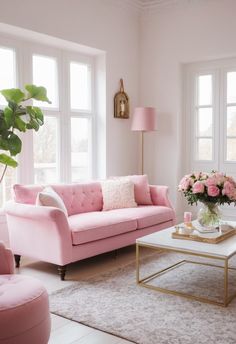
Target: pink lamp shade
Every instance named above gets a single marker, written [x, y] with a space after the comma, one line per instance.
[144, 119]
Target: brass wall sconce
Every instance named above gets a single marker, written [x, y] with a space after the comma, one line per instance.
[121, 103]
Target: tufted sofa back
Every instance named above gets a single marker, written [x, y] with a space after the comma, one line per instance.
[78, 198]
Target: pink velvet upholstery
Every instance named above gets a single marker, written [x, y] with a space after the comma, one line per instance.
[146, 216]
[24, 307]
[6, 260]
[45, 233]
[78, 198]
[99, 225]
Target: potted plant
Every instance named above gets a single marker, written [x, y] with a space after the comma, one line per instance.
[17, 117]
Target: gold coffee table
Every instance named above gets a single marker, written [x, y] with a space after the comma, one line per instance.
[163, 241]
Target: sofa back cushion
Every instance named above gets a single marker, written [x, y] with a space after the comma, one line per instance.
[78, 198]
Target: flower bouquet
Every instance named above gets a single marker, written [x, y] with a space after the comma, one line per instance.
[212, 189]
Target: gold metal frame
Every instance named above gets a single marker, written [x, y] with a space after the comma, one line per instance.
[144, 281]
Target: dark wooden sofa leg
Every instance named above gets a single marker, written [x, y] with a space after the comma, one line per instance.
[62, 272]
[17, 260]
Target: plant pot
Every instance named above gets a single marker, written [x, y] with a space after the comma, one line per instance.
[209, 215]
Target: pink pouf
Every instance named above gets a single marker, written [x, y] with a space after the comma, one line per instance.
[24, 307]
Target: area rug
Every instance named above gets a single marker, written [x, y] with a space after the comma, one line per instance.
[113, 303]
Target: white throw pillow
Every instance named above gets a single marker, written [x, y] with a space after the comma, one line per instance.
[50, 198]
[118, 194]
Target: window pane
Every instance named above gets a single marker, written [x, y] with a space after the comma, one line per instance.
[45, 152]
[204, 149]
[205, 90]
[45, 74]
[7, 71]
[8, 181]
[231, 149]
[231, 121]
[205, 122]
[231, 87]
[80, 94]
[80, 148]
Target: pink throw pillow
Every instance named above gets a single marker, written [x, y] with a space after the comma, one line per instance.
[141, 189]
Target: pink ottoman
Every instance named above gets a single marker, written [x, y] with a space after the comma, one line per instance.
[24, 308]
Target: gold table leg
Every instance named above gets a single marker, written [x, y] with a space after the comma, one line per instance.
[144, 281]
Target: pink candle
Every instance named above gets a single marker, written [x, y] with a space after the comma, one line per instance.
[187, 216]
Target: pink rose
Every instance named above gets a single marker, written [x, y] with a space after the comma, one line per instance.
[211, 181]
[184, 183]
[213, 191]
[229, 190]
[198, 187]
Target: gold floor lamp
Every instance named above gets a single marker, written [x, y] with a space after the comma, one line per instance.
[144, 119]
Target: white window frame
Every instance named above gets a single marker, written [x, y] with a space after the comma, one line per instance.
[24, 50]
[219, 69]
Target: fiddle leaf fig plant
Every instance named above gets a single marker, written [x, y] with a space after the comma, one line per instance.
[17, 117]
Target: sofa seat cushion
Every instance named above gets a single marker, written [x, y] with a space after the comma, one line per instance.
[97, 225]
[147, 215]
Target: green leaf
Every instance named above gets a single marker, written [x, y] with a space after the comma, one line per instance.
[14, 143]
[14, 95]
[3, 126]
[7, 160]
[20, 124]
[8, 116]
[35, 114]
[32, 125]
[37, 92]
[4, 144]
[38, 115]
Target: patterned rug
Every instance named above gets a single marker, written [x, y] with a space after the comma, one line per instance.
[113, 303]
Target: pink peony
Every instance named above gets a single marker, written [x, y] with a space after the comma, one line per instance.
[198, 187]
[213, 191]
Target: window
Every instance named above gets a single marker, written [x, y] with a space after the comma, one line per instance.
[81, 120]
[45, 74]
[61, 151]
[7, 80]
[211, 116]
[204, 120]
[231, 116]
[45, 152]
[7, 70]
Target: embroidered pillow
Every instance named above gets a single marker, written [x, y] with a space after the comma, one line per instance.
[48, 197]
[118, 194]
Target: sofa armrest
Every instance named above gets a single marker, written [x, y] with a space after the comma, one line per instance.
[159, 195]
[6, 260]
[29, 211]
[39, 232]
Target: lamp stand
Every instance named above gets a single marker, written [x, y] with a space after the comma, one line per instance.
[142, 151]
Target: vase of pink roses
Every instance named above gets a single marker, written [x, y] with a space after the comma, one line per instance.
[211, 189]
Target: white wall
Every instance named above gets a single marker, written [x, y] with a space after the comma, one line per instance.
[171, 36]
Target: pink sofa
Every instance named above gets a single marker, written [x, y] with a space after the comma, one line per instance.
[24, 306]
[45, 233]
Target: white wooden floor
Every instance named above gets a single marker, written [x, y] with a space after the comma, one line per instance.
[65, 331]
